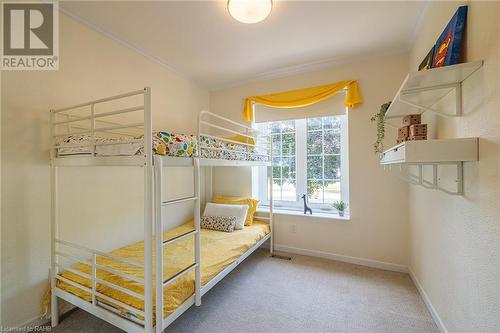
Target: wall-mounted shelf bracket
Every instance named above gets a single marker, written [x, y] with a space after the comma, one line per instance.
[457, 87]
[403, 172]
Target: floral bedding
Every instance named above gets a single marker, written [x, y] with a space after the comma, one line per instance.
[172, 144]
[219, 149]
[166, 144]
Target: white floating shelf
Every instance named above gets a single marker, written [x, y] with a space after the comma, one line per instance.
[432, 151]
[421, 90]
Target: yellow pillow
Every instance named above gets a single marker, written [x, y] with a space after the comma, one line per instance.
[252, 205]
[242, 139]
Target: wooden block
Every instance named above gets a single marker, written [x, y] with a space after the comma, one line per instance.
[412, 119]
[416, 138]
[401, 140]
[418, 130]
[403, 132]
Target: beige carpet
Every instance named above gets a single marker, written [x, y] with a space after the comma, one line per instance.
[302, 295]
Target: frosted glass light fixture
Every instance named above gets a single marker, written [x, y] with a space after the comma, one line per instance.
[249, 11]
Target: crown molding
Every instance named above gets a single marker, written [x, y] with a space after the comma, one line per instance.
[330, 62]
[129, 45]
[306, 68]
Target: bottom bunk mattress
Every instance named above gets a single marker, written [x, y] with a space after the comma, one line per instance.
[218, 250]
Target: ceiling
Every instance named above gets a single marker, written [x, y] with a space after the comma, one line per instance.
[201, 41]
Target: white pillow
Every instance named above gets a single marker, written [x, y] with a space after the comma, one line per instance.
[239, 211]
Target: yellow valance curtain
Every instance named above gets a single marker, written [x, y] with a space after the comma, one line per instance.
[305, 97]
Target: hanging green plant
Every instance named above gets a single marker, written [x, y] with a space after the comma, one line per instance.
[379, 117]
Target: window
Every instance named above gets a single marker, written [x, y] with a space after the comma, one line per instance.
[309, 157]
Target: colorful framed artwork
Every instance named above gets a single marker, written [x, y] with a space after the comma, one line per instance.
[427, 62]
[448, 48]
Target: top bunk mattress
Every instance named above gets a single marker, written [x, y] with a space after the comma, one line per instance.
[164, 143]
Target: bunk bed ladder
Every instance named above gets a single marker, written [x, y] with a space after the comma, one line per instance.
[148, 212]
[160, 242]
[54, 308]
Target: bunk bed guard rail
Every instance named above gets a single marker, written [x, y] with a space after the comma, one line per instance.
[86, 119]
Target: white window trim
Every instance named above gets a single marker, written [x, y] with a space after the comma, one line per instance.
[259, 174]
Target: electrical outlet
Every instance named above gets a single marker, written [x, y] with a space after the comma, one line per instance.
[294, 228]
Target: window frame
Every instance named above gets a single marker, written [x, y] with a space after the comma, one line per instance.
[259, 174]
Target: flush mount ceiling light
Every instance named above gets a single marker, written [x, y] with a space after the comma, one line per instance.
[249, 11]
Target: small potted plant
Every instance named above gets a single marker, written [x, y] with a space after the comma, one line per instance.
[340, 206]
[379, 118]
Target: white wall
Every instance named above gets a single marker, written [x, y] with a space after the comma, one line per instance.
[378, 229]
[91, 66]
[455, 241]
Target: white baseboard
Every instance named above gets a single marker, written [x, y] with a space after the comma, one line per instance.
[427, 301]
[39, 321]
[34, 322]
[352, 260]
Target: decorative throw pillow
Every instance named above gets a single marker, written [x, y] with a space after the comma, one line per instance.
[240, 211]
[220, 223]
[252, 205]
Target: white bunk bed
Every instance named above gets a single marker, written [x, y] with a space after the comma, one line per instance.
[67, 122]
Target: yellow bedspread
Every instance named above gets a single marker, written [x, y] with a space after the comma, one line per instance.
[218, 250]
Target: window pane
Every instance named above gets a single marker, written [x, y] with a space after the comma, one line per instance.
[275, 127]
[314, 167]
[331, 123]
[315, 190]
[276, 145]
[332, 142]
[314, 144]
[277, 167]
[288, 167]
[332, 167]
[288, 126]
[289, 190]
[288, 144]
[276, 189]
[276, 172]
[313, 123]
[332, 191]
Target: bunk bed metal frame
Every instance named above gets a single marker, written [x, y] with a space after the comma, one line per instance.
[153, 219]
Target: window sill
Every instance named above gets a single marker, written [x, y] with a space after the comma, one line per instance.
[320, 215]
